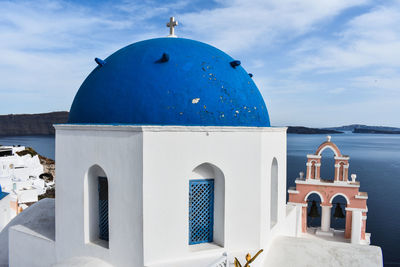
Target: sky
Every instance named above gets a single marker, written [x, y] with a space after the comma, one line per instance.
[317, 63]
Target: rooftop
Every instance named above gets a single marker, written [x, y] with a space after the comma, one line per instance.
[37, 220]
[169, 81]
[306, 252]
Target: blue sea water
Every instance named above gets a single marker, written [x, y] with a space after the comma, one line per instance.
[43, 144]
[375, 158]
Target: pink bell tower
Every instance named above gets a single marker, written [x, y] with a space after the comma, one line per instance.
[327, 190]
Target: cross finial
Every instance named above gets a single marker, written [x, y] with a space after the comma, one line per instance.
[172, 24]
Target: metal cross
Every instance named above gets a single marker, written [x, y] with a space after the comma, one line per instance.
[172, 24]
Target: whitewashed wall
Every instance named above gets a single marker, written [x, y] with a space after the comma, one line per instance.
[244, 155]
[148, 170]
[119, 153]
[29, 249]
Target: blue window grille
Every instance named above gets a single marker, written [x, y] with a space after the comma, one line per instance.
[103, 208]
[201, 211]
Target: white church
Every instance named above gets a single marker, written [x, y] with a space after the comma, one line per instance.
[168, 160]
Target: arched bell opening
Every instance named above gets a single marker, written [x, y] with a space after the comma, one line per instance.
[314, 210]
[312, 169]
[338, 212]
[327, 169]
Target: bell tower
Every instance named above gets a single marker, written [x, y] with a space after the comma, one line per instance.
[356, 202]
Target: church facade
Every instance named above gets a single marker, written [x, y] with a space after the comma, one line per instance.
[192, 171]
[155, 212]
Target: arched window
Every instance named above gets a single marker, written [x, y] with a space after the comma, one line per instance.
[96, 207]
[274, 193]
[206, 205]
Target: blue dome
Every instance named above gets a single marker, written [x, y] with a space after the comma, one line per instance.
[169, 81]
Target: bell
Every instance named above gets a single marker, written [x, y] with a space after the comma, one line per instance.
[338, 212]
[314, 210]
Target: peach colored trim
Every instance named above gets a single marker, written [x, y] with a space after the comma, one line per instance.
[330, 145]
[304, 219]
[347, 231]
[364, 226]
[14, 205]
[312, 169]
[327, 192]
[318, 171]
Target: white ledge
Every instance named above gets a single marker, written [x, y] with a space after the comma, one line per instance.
[342, 158]
[297, 204]
[321, 183]
[312, 156]
[161, 128]
[357, 209]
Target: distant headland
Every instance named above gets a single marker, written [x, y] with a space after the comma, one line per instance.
[354, 128]
[360, 128]
[31, 124]
[306, 130]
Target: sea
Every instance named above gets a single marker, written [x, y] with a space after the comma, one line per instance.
[374, 158]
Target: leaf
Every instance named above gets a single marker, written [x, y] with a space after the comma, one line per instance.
[237, 263]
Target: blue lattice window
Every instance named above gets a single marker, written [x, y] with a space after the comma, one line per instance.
[103, 208]
[201, 211]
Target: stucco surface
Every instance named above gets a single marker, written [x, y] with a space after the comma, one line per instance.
[36, 220]
[148, 170]
[299, 252]
[82, 262]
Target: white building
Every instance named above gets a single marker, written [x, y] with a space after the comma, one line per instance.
[168, 160]
[19, 176]
[16, 170]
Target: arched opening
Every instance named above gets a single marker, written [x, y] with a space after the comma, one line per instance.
[341, 171]
[207, 205]
[314, 200]
[338, 213]
[274, 193]
[96, 206]
[327, 169]
[312, 176]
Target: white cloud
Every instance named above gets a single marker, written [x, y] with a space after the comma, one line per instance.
[242, 24]
[369, 40]
[48, 47]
